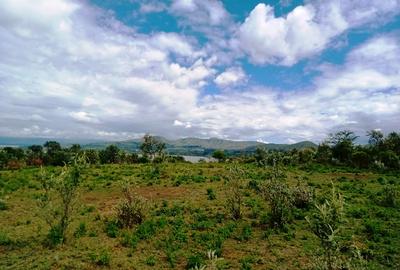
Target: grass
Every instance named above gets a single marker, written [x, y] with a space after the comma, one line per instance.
[187, 217]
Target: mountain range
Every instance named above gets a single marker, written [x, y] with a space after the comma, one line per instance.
[184, 146]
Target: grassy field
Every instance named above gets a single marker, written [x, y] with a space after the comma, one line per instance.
[187, 217]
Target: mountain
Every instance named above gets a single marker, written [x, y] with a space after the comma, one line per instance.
[184, 146]
[203, 147]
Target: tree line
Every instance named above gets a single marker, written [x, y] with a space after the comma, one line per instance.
[340, 148]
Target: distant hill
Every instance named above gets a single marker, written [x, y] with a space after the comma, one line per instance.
[184, 146]
[203, 147]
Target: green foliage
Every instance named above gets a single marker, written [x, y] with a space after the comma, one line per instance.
[57, 199]
[151, 261]
[112, 228]
[81, 230]
[325, 223]
[132, 209]
[194, 261]
[280, 199]
[211, 194]
[152, 148]
[3, 205]
[390, 195]
[102, 259]
[219, 155]
[4, 239]
[234, 194]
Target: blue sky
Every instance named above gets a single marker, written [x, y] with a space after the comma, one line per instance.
[274, 71]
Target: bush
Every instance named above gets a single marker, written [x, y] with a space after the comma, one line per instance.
[132, 210]
[4, 239]
[151, 261]
[3, 205]
[102, 259]
[111, 228]
[325, 223]
[194, 262]
[211, 194]
[234, 195]
[279, 197]
[390, 195]
[81, 230]
[302, 196]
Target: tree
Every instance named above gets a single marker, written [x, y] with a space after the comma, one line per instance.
[375, 138]
[342, 144]
[109, 155]
[58, 197]
[392, 142]
[324, 153]
[151, 147]
[219, 155]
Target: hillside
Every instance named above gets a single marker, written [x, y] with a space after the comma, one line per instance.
[204, 147]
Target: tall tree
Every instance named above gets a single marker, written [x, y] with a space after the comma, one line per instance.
[151, 147]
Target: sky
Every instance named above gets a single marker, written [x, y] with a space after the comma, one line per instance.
[278, 71]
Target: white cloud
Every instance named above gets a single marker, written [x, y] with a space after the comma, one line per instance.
[285, 40]
[231, 76]
[305, 31]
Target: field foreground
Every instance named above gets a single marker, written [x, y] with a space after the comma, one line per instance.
[187, 217]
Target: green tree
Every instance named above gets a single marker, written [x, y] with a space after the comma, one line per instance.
[109, 155]
[152, 148]
[342, 144]
[219, 155]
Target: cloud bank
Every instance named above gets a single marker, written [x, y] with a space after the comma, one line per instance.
[69, 69]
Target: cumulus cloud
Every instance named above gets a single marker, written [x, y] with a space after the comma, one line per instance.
[305, 31]
[84, 74]
[362, 94]
[230, 77]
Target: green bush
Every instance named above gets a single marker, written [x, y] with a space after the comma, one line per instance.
[194, 261]
[151, 261]
[101, 259]
[4, 239]
[3, 205]
[81, 230]
[132, 209]
[111, 228]
[211, 194]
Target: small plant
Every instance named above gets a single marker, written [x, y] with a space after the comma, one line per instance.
[279, 197]
[111, 228]
[194, 261]
[101, 259]
[132, 210]
[302, 195]
[390, 195]
[4, 239]
[245, 233]
[151, 261]
[325, 224]
[3, 205]
[211, 194]
[58, 199]
[81, 230]
[234, 194]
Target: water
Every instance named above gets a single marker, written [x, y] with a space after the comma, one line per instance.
[196, 159]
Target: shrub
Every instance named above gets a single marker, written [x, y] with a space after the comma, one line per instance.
[151, 261]
[102, 259]
[279, 197]
[211, 194]
[58, 198]
[325, 223]
[234, 195]
[3, 205]
[4, 239]
[245, 233]
[111, 228]
[390, 195]
[81, 230]
[132, 210]
[302, 195]
[194, 261]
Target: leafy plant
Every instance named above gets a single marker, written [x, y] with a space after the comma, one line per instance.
[58, 198]
[132, 209]
[325, 224]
